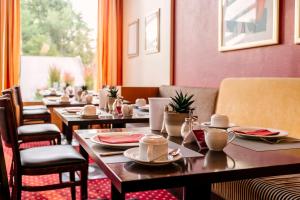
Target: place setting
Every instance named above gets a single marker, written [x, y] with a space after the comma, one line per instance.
[146, 149]
[263, 139]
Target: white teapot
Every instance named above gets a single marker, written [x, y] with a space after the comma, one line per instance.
[217, 139]
[127, 110]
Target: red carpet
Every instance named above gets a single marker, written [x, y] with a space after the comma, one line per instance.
[97, 189]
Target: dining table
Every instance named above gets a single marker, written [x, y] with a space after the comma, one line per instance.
[195, 172]
[104, 117]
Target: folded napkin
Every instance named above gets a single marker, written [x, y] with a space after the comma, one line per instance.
[117, 139]
[258, 132]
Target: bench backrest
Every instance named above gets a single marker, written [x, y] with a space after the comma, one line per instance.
[262, 102]
[205, 99]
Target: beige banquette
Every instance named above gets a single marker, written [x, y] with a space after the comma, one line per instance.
[259, 102]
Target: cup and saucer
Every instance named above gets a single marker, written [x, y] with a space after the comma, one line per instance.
[89, 112]
[64, 99]
[153, 151]
[218, 121]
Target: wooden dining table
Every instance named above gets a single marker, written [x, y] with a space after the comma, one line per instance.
[194, 174]
[115, 120]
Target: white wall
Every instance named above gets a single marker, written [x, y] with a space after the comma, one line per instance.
[147, 69]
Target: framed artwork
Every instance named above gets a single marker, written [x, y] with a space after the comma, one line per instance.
[297, 22]
[152, 32]
[247, 23]
[133, 39]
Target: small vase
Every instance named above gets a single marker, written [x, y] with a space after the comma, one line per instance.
[110, 103]
[173, 122]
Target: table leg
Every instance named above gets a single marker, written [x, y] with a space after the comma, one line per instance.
[68, 132]
[122, 125]
[115, 194]
[197, 191]
[83, 153]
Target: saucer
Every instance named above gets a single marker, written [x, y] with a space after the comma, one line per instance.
[64, 102]
[133, 154]
[88, 116]
[210, 126]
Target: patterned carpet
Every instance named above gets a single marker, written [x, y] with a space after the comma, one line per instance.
[97, 189]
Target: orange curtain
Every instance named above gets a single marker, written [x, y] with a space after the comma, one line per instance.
[9, 43]
[109, 42]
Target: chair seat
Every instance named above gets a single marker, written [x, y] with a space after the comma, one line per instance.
[40, 129]
[35, 107]
[50, 156]
[35, 112]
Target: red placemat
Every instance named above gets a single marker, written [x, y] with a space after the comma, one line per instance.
[117, 139]
[258, 132]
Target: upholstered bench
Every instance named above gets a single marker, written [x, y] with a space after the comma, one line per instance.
[261, 102]
[205, 98]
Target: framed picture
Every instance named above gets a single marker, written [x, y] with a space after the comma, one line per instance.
[133, 39]
[297, 22]
[247, 23]
[152, 32]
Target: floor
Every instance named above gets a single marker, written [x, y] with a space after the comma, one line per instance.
[98, 185]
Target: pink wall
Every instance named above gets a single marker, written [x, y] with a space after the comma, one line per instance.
[199, 63]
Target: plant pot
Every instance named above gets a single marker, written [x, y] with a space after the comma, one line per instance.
[173, 122]
[110, 103]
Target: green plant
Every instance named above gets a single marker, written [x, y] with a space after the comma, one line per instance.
[54, 75]
[181, 103]
[113, 92]
[84, 88]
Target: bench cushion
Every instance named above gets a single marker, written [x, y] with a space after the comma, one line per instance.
[275, 188]
[262, 102]
[205, 99]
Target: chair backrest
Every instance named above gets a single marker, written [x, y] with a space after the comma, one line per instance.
[8, 128]
[18, 97]
[4, 188]
[9, 92]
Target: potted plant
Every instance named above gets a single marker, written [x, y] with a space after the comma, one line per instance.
[112, 96]
[180, 108]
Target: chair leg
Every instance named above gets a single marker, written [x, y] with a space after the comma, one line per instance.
[84, 189]
[11, 174]
[59, 139]
[60, 177]
[17, 187]
[73, 188]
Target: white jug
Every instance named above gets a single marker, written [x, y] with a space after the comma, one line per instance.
[217, 139]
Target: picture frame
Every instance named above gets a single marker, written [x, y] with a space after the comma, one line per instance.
[152, 32]
[297, 22]
[256, 25]
[133, 39]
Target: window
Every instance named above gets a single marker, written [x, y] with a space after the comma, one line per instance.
[58, 45]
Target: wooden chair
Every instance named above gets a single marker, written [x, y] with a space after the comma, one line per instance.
[40, 160]
[33, 132]
[4, 188]
[30, 114]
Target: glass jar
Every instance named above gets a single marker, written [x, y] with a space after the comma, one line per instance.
[186, 127]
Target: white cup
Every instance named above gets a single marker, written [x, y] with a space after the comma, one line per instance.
[89, 110]
[103, 98]
[156, 111]
[127, 110]
[89, 98]
[153, 147]
[64, 98]
[218, 120]
[140, 102]
[216, 139]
